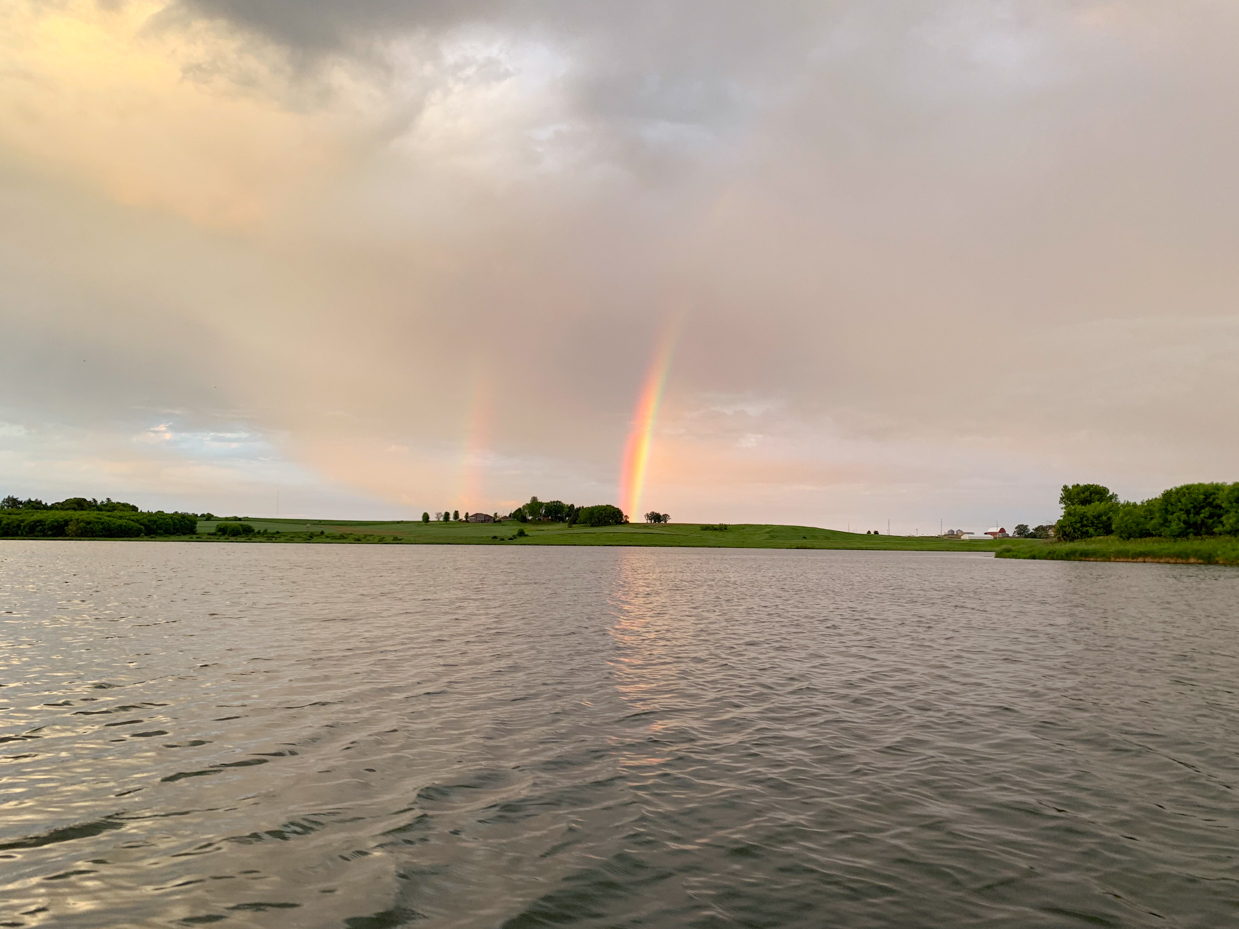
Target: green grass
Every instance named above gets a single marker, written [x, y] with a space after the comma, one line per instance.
[669, 535]
[1215, 550]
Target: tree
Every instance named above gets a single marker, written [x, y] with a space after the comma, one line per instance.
[115, 506]
[653, 516]
[10, 503]
[425, 517]
[1230, 500]
[1087, 521]
[1022, 531]
[1135, 520]
[1085, 494]
[1088, 511]
[456, 515]
[601, 515]
[555, 510]
[1192, 509]
[1044, 531]
[533, 509]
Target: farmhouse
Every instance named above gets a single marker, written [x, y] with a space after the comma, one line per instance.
[479, 517]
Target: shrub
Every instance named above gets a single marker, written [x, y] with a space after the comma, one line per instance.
[234, 529]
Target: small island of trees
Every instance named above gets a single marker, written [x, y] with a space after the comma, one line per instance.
[549, 511]
[556, 511]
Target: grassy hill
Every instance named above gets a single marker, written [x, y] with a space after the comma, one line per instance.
[670, 535]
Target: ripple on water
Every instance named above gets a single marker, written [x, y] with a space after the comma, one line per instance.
[377, 737]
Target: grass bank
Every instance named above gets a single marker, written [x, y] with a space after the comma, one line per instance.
[1222, 550]
[668, 535]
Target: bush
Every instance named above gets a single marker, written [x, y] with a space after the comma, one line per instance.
[234, 529]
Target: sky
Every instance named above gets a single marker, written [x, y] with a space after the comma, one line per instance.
[824, 263]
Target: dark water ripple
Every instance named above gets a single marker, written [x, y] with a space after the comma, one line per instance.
[370, 737]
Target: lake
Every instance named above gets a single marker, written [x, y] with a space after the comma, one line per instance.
[381, 736]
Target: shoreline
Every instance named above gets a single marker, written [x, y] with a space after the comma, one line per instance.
[667, 535]
[1214, 550]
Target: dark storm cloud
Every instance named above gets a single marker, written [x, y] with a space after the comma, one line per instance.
[682, 62]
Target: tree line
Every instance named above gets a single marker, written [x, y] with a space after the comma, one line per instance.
[556, 511]
[552, 511]
[80, 517]
[1092, 510]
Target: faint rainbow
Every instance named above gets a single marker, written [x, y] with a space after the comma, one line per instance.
[475, 451]
[640, 435]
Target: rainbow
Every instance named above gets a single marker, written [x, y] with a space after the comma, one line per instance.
[637, 448]
[475, 449]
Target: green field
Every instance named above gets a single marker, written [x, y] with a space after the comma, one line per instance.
[1212, 550]
[668, 535]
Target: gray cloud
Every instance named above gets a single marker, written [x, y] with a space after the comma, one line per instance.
[941, 245]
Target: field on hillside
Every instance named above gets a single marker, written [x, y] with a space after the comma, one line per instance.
[671, 534]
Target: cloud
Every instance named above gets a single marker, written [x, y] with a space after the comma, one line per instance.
[959, 251]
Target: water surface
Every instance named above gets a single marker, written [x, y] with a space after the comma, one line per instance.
[368, 737]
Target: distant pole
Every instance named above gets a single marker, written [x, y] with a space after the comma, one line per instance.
[277, 504]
